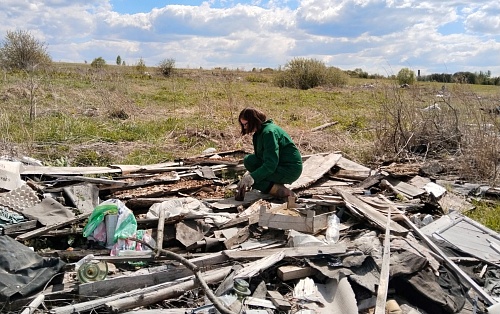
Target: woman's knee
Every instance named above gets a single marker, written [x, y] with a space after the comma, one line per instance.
[251, 162]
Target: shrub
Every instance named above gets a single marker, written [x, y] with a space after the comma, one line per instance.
[406, 76]
[309, 73]
[98, 63]
[140, 67]
[336, 77]
[256, 79]
[20, 50]
[166, 67]
[302, 74]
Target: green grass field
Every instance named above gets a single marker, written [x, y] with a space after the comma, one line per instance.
[75, 115]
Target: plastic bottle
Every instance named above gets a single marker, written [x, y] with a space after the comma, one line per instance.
[333, 229]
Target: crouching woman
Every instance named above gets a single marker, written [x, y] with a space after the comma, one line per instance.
[276, 160]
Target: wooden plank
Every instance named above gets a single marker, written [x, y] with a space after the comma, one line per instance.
[47, 170]
[159, 232]
[338, 248]
[279, 300]
[241, 236]
[291, 272]
[121, 284]
[250, 219]
[309, 224]
[314, 168]
[163, 178]
[383, 285]
[88, 179]
[352, 174]
[31, 308]
[362, 209]
[323, 126]
[346, 164]
[167, 166]
[230, 203]
[407, 189]
[118, 305]
[128, 283]
[210, 277]
[19, 227]
[46, 229]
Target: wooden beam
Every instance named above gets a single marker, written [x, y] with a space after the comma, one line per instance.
[143, 299]
[338, 248]
[279, 300]
[159, 232]
[186, 284]
[290, 272]
[44, 230]
[384, 272]
[31, 308]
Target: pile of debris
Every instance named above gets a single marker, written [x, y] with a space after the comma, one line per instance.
[171, 237]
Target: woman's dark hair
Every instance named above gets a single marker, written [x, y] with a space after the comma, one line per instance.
[255, 119]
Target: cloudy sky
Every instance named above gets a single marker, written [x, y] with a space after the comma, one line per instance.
[378, 36]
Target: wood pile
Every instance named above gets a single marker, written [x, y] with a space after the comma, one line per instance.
[174, 240]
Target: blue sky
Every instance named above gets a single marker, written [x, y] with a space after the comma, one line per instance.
[378, 36]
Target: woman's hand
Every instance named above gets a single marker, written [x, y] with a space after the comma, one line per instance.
[246, 181]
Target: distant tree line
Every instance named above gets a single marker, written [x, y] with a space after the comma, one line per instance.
[20, 50]
[482, 78]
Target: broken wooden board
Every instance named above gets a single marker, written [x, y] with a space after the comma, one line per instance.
[230, 203]
[364, 211]
[311, 223]
[404, 188]
[323, 188]
[161, 190]
[161, 167]
[338, 248]
[241, 236]
[122, 284]
[279, 300]
[46, 170]
[314, 168]
[19, 227]
[162, 178]
[351, 170]
[46, 229]
[291, 272]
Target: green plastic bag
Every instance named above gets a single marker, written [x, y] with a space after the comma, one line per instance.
[97, 217]
[126, 225]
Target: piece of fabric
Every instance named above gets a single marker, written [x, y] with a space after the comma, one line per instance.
[276, 159]
[22, 271]
[434, 294]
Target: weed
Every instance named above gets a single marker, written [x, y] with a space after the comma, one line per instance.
[486, 213]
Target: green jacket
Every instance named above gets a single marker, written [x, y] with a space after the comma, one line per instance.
[281, 160]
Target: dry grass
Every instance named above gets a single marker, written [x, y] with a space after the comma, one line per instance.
[90, 117]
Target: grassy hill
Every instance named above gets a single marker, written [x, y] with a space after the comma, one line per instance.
[76, 115]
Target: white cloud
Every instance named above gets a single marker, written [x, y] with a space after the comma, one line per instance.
[379, 36]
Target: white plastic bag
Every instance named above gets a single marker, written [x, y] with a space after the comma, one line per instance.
[333, 229]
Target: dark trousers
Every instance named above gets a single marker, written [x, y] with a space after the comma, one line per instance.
[284, 174]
